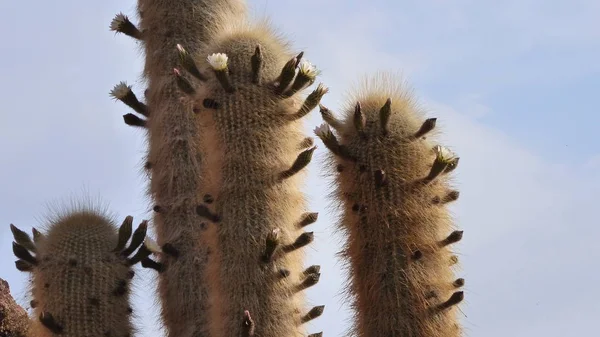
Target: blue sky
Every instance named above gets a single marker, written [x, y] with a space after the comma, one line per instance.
[511, 82]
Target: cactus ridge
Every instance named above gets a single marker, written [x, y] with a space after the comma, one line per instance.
[390, 180]
[81, 273]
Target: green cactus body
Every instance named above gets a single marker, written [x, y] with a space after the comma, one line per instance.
[174, 158]
[255, 150]
[393, 189]
[80, 275]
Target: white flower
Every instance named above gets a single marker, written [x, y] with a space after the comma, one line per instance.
[152, 245]
[218, 61]
[118, 21]
[308, 69]
[120, 90]
[443, 153]
[322, 130]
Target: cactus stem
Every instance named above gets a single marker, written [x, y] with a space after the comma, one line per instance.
[187, 62]
[123, 93]
[124, 233]
[204, 212]
[122, 24]
[455, 299]
[459, 282]
[384, 115]
[136, 239]
[306, 76]
[309, 281]
[271, 244]
[23, 254]
[308, 218]
[380, 178]
[359, 119]
[133, 120]
[182, 83]
[453, 260]
[449, 197]
[314, 269]
[287, 75]
[316, 334]
[301, 162]
[331, 142]
[311, 101]
[225, 80]
[328, 117]
[454, 237]
[141, 254]
[315, 312]
[23, 266]
[247, 325]
[257, 64]
[426, 127]
[22, 238]
[306, 143]
[37, 235]
[302, 240]
[149, 263]
[452, 165]
[299, 59]
[50, 323]
[170, 250]
[210, 103]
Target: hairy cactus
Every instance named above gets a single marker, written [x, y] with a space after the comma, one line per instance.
[250, 111]
[175, 163]
[81, 271]
[393, 186]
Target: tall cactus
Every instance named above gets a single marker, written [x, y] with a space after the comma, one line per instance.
[250, 113]
[81, 271]
[393, 186]
[176, 161]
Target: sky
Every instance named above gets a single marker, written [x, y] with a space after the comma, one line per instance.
[512, 84]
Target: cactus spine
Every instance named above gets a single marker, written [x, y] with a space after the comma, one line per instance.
[393, 187]
[81, 271]
[250, 114]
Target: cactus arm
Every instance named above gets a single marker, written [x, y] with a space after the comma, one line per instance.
[393, 185]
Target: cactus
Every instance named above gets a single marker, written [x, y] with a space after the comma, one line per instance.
[81, 272]
[226, 163]
[392, 183]
[174, 159]
[254, 150]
